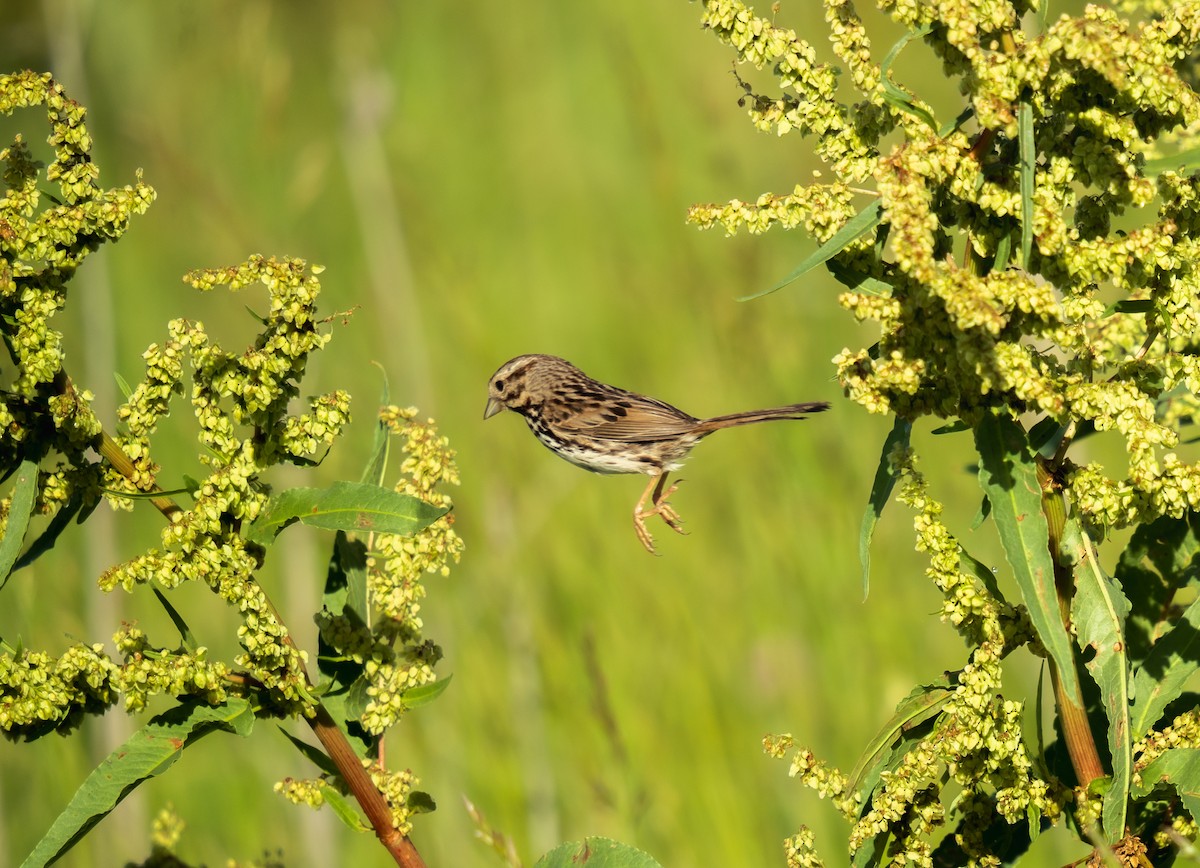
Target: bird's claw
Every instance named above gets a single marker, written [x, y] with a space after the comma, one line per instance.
[663, 509]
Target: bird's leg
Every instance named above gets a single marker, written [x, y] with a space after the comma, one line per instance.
[660, 508]
[639, 523]
[663, 508]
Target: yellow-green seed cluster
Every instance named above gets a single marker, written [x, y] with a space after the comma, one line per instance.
[1092, 328]
[43, 240]
[977, 738]
[149, 672]
[167, 829]
[41, 693]
[239, 399]
[1182, 733]
[395, 655]
[309, 792]
[959, 332]
[240, 402]
[800, 850]
[395, 786]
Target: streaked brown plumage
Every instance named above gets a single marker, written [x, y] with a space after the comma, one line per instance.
[609, 430]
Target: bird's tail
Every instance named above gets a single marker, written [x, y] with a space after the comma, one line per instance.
[791, 411]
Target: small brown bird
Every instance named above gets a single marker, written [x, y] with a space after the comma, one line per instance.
[609, 430]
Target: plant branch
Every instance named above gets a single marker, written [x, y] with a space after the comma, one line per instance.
[1072, 714]
[336, 745]
[363, 788]
[112, 452]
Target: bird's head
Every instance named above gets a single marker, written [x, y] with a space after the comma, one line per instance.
[524, 382]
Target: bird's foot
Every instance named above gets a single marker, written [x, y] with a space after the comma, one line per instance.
[663, 509]
[643, 534]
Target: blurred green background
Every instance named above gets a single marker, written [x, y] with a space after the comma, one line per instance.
[482, 180]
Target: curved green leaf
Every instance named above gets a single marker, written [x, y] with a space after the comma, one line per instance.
[377, 464]
[856, 227]
[881, 490]
[1183, 162]
[1181, 769]
[186, 637]
[312, 753]
[596, 852]
[1028, 157]
[1008, 477]
[24, 494]
[1099, 610]
[857, 281]
[149, 752]
[347, 506]
[893, 94]
[79, 507]
[345, 810]
[1162, 676]
[920, 706]
[424, 694]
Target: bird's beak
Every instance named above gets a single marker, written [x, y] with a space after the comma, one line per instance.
[493, 407]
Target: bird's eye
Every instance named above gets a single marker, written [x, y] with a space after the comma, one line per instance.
[500, 385]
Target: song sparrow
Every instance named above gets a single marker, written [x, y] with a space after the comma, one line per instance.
[609, 430]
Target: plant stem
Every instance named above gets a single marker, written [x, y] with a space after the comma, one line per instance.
[115, 455]
[365, 792]
[1072, 715]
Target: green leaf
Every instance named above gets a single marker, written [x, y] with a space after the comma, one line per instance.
[1172, 548]
[313, 754]
[890, 745]
[1160, 679]
[345, 810]
[856, 227]
[352, 558]
[123, 386]
[73, 509]
[343, 685]
[348, 506]
[881, 490]
[376, 467]
[1003, 252]
[1008, 477]
[149, 752]
[345, 591]
[985, 574]
[1039, 758]
[951, 126]
[1129, 305]
[1028, 163]
[596, 853]
[147, 495]
[896, 96]
[985, 509]
[420, 802]
[954, 427]
[255, 315]
[1099, 610]
[185, 632]
[1183, 162]
[24, 494]
[858, 282]
[1181, 769]
[1044, 432]
[424, 694]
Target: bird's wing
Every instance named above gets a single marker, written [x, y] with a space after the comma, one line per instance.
[632, 419]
